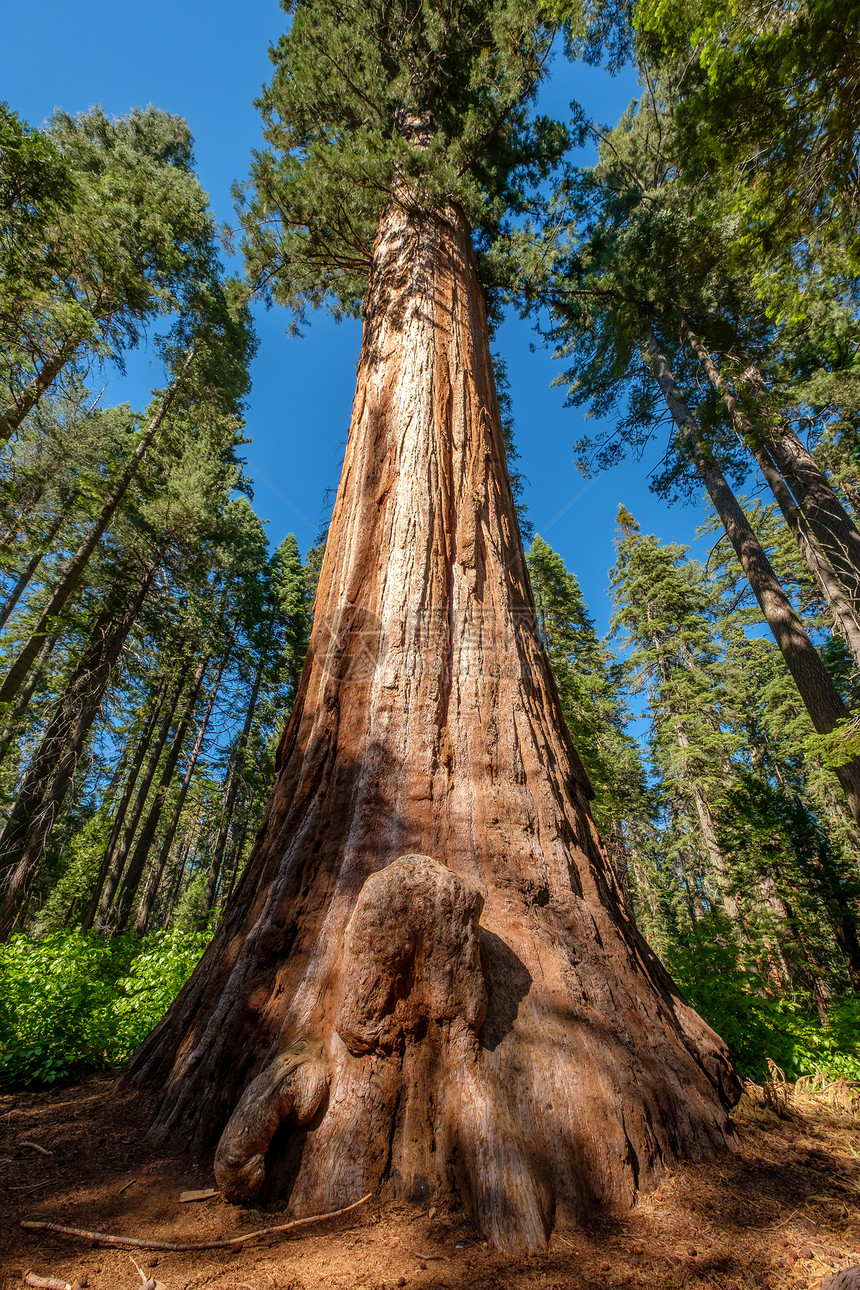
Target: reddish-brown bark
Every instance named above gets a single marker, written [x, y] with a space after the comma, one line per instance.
[544, 1063]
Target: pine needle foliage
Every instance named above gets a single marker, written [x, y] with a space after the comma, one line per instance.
[407, 101]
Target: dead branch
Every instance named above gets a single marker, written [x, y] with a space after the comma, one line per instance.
[102, 1238]
[48, 1283]
[36, 1147]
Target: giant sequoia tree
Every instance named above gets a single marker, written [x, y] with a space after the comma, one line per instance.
[426, 979]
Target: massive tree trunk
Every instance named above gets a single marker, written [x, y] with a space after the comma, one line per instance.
[426, 981]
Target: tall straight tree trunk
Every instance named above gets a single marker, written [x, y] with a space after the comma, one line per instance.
[189, 841]
[106, 913]
[144, 911]
[13, 415]
[831, 525]
[237, 765]
[156, 703]
[717, 859]
[820, 696]
[73, 570]
[143, 846]
[22, 703]
[30, 568]
[53, 765]
[235, 859]
[846, 615]
[426, 967]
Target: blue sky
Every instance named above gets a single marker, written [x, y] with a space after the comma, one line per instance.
[207, 62]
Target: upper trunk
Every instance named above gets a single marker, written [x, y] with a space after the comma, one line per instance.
[540, 1062]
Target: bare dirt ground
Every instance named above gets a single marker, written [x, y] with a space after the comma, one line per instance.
[781, 1211]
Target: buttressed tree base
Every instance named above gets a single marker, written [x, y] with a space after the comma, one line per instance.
[427, 983]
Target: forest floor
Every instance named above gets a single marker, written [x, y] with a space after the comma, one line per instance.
[783, 1210]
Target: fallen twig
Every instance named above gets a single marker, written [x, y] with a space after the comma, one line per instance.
[419, 1255]
[140, 1242]
[46, 1283]
[147, 1283]
[36, 1147]
[126, 1186]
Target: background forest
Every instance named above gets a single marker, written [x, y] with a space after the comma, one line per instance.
[697, 281]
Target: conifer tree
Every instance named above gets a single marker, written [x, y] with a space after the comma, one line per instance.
[426, 773]
[592, 701]
[127, 239]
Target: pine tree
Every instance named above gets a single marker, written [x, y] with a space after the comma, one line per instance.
[590, 689]
[128, 240]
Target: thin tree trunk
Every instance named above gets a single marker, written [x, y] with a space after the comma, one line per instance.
[10, 730]
[157, 701]
[137, 863]
[30, 568]
[830, 523]
[53, 766]
[144, 912]
[188, 843]
[237, 765]
[819, 694]
[649, 899]
[429, 832]
[844, 613]
[23, 405]
[105, 916]
[841, 910]
[236, 860]
[73, 570]
[716, 857]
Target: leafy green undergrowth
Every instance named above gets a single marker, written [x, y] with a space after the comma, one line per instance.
[75, 1002]
[757, 1026]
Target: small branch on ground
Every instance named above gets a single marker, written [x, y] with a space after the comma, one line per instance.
[36, 1147]
[49, 1283]
[147, 1283]
[177, 1247]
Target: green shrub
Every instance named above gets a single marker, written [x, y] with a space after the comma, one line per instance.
[757, 1026]
[154, 979]
[74, 1002]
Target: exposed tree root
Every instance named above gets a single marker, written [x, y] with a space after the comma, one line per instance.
[142, 1242]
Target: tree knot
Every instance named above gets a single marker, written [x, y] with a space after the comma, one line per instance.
[293, 1087]
[411, 958]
